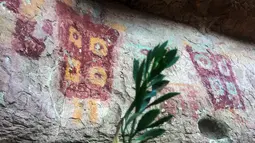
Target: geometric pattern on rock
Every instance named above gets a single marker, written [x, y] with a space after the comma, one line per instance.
[217, 76]
[88, 51]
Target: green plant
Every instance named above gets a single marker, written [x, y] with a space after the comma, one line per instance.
[149, 80]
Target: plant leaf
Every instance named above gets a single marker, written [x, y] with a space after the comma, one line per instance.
[116, 139]
[173, 61]
[163, 98]
[147, 119]
[150, 94]
[157, 70]
[164, 44]
[159, 53]
[145, 104]
[134, 116]
[154, 50]
[160, 85]
[140, 96]
[169, 56]
[153, 133]
[149, 59]
[161, 121]
[135, 68]
[167, 60]
[139, 75]
[157, 78]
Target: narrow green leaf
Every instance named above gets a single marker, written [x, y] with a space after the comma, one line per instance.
[163, 98]
[139, 76]
[154, 50]
[140, 96]
[159, 85]
[132, 132]
[130, 109]
[131, 118]
[149, 59]
[164, 44]
[123, 125]
[147, 119]
[123, 131]
[150, 94]
[166, 60]
[161, 121]
[173, 61]
[169, 56]
[145, 104]
[135, 68]
[156, 79]
[153, 133]
[159, 53]
[157, 70]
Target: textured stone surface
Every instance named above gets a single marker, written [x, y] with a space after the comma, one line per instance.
[231, 17]
[66, 74]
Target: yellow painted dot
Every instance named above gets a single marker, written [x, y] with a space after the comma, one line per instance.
[98, 46]
[75, 37]
[93, 113]
[97, 76]
[72, 71]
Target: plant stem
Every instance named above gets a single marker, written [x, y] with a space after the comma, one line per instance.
[132, 130]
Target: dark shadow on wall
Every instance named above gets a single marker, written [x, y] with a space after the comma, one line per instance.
[233, 18]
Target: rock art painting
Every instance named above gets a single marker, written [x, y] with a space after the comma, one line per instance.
[24, 42]
[188, 103]
[217, 76]
[78, 110]
[12, 5]
[87, 51]
[93, 111]
[29, 8]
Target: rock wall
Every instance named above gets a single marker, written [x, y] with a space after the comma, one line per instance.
[235, 18]
[66, 74]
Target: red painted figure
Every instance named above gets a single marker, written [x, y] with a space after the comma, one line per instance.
[217, 76]
[24, 42]
[87, 51]
[12, 5]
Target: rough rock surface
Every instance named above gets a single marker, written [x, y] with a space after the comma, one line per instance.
[66, 74]
[231, 17]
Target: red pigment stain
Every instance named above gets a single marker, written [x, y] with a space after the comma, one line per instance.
[12, 5]
[187, 101]
[218, 78]
[24, 42]
[47, 27]
[78, 47]
[144, 51]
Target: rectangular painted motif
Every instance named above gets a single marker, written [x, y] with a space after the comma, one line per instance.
[218, 78]
[87, 51]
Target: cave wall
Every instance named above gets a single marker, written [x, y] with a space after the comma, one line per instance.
[235, 18]
[66, 74]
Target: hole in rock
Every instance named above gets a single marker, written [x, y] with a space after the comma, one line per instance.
[213, 128]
